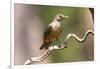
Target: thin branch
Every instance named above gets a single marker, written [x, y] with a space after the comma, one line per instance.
[61, 46]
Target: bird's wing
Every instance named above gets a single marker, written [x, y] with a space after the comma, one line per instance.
[47, 31]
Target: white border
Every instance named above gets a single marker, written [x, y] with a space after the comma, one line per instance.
[69, 65]
[4, 34]
[12, 36]
[75, 3]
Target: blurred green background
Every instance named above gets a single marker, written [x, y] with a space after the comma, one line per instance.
[79, 21]
[75, 23]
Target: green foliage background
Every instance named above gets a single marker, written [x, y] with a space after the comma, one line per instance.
[77, 23]
[30, 22]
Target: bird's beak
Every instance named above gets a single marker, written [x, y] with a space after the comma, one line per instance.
[66, 16]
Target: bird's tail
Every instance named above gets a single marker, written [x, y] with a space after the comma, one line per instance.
[45, 45]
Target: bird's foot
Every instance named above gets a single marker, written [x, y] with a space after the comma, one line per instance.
[62, 46]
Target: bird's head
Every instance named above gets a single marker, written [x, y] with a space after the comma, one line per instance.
[60, 17]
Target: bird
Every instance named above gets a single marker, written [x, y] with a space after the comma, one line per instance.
[52, 31]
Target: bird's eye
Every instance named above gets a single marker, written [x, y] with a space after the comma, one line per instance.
[60, 16]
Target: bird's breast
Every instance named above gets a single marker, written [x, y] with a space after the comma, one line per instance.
[56, 29]
[55, 26]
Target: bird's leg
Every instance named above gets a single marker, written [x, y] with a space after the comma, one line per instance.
[55, 42]
[52, 43]
[58, 39]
